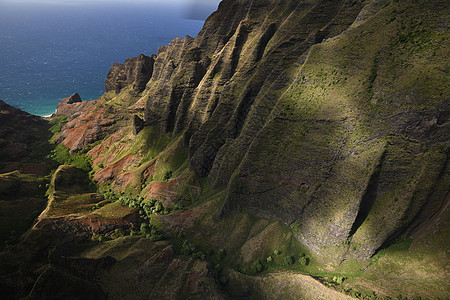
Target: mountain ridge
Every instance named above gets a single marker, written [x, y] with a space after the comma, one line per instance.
[315, 129]
[219, 131]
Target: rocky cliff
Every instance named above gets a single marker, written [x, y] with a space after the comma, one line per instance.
[305, 113]
[320, 124]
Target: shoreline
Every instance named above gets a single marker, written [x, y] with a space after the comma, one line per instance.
[48, 116]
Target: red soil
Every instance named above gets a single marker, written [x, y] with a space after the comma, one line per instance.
[112, 171]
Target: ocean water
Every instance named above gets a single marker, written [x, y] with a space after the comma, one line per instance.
[48, 51]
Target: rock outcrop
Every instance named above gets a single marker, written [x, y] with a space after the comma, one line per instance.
[70, 106]
[306, 114]
[92, 123]
[75, 98]
[136, 71]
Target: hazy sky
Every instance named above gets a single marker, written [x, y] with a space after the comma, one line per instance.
[78, 2]
[193, 9]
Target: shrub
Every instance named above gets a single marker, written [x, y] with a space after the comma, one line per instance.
[82, 162]
[296, 225]
[61, 155]
[221, 254]
[338, 279]
[158, 207]
[289, 260]
[256, 267]
[269, 259]
[277, 252]
[178, 206]
[220, 278]
[186, 248]
[167, 175]
[144, 228]
[156, 237]
[223, 279]
[303, 260]
[199, 255]
[56, 128]
[117, 233]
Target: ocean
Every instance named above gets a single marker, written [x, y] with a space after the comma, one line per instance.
[49, 51]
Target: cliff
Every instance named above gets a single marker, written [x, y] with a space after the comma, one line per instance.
[321, 111]
[316, 127]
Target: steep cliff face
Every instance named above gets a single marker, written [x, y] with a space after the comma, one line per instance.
[231, 75]
[308, 112]
[136, 71]
[329, 116]
[287, 136]
[356, 149]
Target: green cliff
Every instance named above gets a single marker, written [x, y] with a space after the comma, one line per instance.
[293, 149]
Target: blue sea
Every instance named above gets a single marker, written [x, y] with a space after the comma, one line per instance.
[50, 50]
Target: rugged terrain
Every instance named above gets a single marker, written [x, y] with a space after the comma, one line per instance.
[293, 149]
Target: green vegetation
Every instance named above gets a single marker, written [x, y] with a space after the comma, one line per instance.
[303, 259]
[61, 155]
[336, 118]
[289, 260]
[255, 268]
[338, 279]
[57, 124]
[188, 249]
[145, 207]
[296, 225]
[167, 175]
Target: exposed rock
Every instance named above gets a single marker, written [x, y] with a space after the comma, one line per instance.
[87, 126]
[138, 124]
[328, 120]
[113, 170]
[136, 71]
[69, 100]
[70, 106]
[328, 116]
[304, 113]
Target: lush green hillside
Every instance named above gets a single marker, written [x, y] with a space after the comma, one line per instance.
[293, 149]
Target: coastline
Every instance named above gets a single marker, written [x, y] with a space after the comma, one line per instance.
[48, 116]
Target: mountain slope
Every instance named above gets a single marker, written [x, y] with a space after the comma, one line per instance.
[316, 127]
[337, 129]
